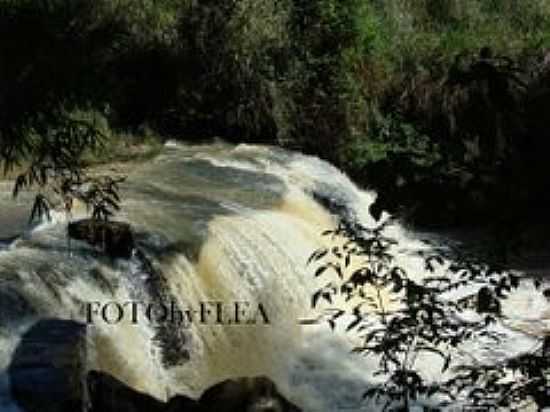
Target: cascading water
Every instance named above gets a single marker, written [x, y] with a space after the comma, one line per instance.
[216, 223]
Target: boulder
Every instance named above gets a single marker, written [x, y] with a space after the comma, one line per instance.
[257, 394]
[108, 394]
[115, 238]
[47, 371]
[182, 403]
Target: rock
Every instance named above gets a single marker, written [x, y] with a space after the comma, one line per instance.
[257, 394]
[115, 238]
[47, 371]
[182, 403]
[107, 394]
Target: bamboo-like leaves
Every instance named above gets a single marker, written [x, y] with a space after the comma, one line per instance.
[54, 149]
[415, 316]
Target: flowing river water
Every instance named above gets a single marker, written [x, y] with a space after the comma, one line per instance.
[217, 223]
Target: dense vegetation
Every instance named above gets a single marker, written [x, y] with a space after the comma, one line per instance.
[396, 93]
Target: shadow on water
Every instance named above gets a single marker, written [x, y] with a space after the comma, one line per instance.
[14, 308]
[7, 241]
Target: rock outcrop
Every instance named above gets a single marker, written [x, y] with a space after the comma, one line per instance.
[48, 373]
[107, 394]
[182, 403]
[258, 394]
[114, 238]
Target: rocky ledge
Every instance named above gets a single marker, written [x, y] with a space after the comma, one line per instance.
[48, 373]
[257, 394]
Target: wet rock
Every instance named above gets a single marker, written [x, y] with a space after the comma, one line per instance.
[257, 394]
[114, 238]
[48, 374]
[181, 403]
[47, 371]
[107, 394]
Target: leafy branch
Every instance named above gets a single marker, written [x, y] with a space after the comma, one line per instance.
[397, 317]
[57, 172]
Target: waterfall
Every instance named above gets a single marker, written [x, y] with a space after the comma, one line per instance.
[216, 223]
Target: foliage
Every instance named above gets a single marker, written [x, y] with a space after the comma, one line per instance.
[345, 80]
[412, 32]
[328, 40]
[513, 383]
[290, 72]
[231, 55]
[52, 165]
[392, 137]
[397, 318]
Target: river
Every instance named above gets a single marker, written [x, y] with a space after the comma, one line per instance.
[219, 223]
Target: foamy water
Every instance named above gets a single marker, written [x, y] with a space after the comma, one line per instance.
[220, 223]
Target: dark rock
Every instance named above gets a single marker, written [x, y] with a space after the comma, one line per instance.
[182, 403]
[115, 238]
[257, 394]
[107, 394]
[171, 341]
[47, 371]
[48, 374]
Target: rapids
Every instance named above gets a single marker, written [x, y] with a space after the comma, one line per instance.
[218, 223]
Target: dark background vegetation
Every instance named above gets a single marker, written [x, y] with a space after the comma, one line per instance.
[419, 99]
